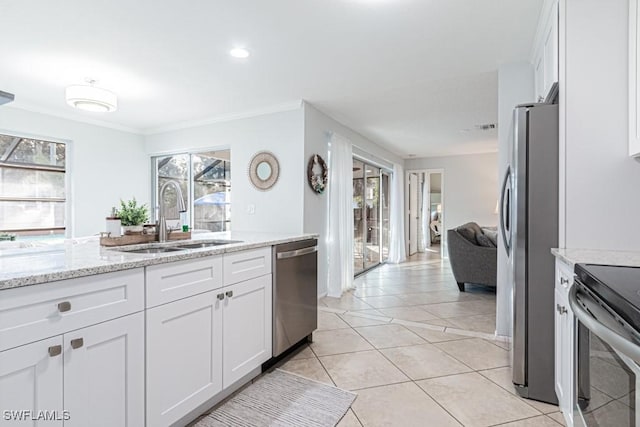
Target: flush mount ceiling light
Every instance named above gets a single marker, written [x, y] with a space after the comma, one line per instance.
[239, 52]
[91, 98]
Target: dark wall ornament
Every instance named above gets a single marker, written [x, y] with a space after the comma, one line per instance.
[317, 174]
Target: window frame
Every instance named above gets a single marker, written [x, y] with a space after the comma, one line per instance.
[68, 187]
[154, 177]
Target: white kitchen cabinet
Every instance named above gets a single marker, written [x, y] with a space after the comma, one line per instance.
[545, 58]
[247, 327]
[634, 79]
[184, 356]
[32, 313]
[564, 342]
[104, 374]
[31, 379]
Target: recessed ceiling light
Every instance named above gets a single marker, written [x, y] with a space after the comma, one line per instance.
[91, 98]
[239, 52]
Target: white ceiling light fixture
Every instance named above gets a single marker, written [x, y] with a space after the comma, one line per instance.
[239, 52]
[91, 98]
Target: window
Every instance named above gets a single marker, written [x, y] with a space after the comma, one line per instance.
[205, 181]
[32, 186]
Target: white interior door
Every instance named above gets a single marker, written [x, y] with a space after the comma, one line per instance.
[414, 216]
[426, 210]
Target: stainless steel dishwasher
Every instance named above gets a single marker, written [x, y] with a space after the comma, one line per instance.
[295, 293]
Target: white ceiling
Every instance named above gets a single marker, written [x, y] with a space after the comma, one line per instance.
[412, 75]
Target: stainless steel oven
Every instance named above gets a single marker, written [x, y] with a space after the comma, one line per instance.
[608, 351]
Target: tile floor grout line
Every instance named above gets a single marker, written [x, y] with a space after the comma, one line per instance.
[522, 399]
[324, 367]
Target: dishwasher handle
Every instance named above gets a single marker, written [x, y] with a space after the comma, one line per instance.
[298, 252]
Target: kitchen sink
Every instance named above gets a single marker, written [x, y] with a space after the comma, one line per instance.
[207, 244]
[152, 250]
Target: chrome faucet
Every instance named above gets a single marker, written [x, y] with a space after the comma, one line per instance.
[162, 223]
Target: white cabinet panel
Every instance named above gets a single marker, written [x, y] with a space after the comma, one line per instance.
[564, 342]
[176, 280]
[31, 380]
[35, 312]
[104, 374]
[184, 356]
[546, 50]
[245, 265]
[634, 78]
[247, 327]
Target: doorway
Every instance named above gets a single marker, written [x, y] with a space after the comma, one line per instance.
[370, 216]
[425, 211]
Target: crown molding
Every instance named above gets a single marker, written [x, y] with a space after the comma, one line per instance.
[277, 108]
[72, 117]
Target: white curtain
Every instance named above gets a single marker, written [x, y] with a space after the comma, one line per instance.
[340, 218]
[397, 250]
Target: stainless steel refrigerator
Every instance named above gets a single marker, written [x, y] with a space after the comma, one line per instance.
[529, 228]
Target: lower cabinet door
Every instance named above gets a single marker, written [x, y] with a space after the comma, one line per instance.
[184, 356]
[31, 384]
[104, 374]
[247, 327]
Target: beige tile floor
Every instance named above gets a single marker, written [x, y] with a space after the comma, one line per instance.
[417, 352]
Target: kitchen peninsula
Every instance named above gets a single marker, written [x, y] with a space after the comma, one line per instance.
[134, 338]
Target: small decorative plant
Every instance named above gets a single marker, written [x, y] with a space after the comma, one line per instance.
[131, 213]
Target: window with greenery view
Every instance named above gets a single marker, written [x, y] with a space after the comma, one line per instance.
[205, 181]
[32, 186]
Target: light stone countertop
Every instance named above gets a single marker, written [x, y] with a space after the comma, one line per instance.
[595, 256]
[24, 266]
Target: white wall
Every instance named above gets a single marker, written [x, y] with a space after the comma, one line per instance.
[470, 187]
[515, 86]
[281, 208]
[602, 202]
[317, 127]
[105, 164]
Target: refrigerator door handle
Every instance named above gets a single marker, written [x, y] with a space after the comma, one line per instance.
[505, 213]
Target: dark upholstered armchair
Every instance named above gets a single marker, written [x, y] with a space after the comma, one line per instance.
[471, 262]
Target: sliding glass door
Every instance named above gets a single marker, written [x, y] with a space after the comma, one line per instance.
[370, 216]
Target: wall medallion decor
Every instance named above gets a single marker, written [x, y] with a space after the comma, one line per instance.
[317, 173]
[264, 170]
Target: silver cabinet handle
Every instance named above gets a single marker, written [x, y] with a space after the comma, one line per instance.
[64, 306]
[229, 294]
[299, 252]
[561, 309]
[564, 280]
[77, 343]
[607, 335]
[220, 296]
[55, 350]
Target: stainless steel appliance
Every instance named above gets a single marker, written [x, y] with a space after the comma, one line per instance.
[606, 303]
[529, 228]
[295, 293]
[6, 97]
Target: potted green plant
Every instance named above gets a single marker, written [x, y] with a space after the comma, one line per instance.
[132, 216]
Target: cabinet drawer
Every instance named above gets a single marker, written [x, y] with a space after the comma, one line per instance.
[182, 279]
[564, 275]
[245, 265]
[35, 312]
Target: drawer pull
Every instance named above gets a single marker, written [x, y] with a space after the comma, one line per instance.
[564, 281]
[55, 350]
[77, 343]
[561, 309]
[220, 296]
[64, 306]
[229, 294]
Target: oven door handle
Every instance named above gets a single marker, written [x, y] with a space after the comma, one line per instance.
[615, 340]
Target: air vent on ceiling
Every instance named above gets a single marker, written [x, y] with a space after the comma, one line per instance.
[487, 126]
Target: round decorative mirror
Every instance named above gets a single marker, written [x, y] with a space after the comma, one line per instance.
[264, 170]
